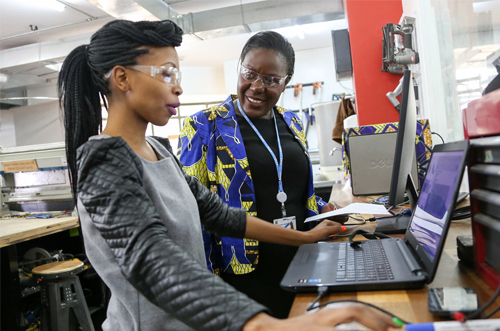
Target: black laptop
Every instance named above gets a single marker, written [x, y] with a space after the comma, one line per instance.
[389, 264]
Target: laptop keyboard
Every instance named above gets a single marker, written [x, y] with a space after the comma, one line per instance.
[364, 263]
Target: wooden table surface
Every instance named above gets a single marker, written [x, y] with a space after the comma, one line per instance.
[410, 305]
[19, 229]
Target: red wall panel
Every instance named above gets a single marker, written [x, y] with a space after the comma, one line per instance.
[365, 20]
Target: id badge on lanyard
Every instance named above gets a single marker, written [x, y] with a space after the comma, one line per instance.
[286, 221]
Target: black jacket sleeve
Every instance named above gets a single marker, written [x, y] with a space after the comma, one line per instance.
[111, 191]
[216, 216]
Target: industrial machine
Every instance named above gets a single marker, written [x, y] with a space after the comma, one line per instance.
[392, 96]
[398, 54]
[34, 179]
[398, 50]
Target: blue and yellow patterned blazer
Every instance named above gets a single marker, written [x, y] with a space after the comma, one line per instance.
[211, 149]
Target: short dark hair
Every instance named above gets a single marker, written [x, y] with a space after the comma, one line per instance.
[82, 83]
[276, 42]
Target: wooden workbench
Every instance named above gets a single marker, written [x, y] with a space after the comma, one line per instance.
[13, 231]
[18, 229]
[410, 305]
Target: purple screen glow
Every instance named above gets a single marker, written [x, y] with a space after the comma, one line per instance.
[435, 199]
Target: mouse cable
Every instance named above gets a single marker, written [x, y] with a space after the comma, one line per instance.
[362, 220]
[321, 293]
[395, 319]
[393, 214]
[403, 203]
[492, 313]
[399, 212]
[362, 197]
[381, 200]
[442, 140]
[459, 316]
[386, 204]
[373, 219]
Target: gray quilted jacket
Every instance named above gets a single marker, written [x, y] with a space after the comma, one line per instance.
[111, 194]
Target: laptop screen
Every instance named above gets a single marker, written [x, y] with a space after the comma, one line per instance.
[435, 198]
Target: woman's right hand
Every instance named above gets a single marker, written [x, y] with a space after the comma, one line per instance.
[331, 206]
[323, 230]
[325, 319]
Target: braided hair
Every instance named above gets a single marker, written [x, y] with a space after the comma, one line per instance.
[82, 83]
[274, 41]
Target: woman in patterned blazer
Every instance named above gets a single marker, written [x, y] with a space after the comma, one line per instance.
[253, 154]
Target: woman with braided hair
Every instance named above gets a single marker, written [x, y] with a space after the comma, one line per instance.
[141, 215]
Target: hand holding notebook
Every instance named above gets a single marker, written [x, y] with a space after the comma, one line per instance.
[353, 208]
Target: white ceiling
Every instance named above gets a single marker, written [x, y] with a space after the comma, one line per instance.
[192, 6]
[17, 16]
[210, 52]
[18, 19]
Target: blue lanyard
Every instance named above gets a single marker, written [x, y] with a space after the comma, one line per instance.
[281, 196]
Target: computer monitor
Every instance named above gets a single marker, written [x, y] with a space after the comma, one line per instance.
[405, 153]
[404, 157]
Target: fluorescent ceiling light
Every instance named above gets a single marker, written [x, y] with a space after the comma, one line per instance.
[50, 4]
[311, 29]
[300, 32]
[55, 67]
[292, 31]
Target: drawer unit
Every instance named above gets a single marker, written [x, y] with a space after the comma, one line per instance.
[484, 184]
[487, 176]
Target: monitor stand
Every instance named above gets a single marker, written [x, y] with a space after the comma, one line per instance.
[399, 223]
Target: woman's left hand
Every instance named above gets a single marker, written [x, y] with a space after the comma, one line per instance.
[324, 229]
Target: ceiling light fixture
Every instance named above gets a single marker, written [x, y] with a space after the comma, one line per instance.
[54, 4]
[292, 31]
[50, 4]
[299, 31]
[55, 66]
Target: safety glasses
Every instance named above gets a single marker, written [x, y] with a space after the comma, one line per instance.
[267, 80]
[170, 75]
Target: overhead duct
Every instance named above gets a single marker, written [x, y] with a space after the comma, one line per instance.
[12, 99]
[136, 10]
[245, 18]
[264, 15]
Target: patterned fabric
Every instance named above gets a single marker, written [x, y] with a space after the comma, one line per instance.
[211, 149]
[423, 142]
